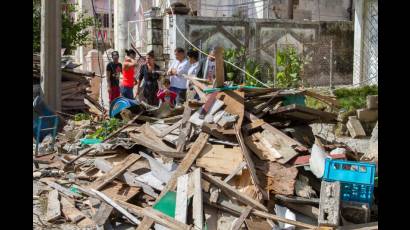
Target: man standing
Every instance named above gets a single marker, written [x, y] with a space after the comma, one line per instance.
[176, 72]
[114, 69]
[207, 67]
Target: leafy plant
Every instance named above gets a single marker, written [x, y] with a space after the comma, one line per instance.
[81, 116]
[73, 32]
[107, 127]
[236, 57]
[354, 98]
[290, 65]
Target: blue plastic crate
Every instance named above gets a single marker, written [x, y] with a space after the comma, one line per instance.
[356, 178]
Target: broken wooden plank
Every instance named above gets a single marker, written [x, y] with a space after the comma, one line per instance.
[253, 125]
[326, 99]
[116, 171]
[170, 129]
[261, 147]
[218, 159]
[181, 207]
[310, 115]
[200, 93]
[127, 177]
[185, 129]
[277, 145]
[235, 171]
[197, 205]
[71, 212]
[183, 168]
[61, 189]
[132, 218]
[241, 219]
[232, 191]
[118, 190]
[280, 179]
[288, 140]
[219, 67]
[103, 212]
[249, 162]
[154, 215]
[53, 206]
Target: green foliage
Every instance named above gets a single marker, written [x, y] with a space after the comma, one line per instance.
[354, 98]
[290, 65]
[314, 103]
[73, 33]
[107, 127]
[82, 116]
[234, 56]
[254, 69]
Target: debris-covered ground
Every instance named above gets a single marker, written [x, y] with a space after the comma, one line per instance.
[249, 158]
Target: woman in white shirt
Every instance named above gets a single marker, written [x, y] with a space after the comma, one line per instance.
[176, 75]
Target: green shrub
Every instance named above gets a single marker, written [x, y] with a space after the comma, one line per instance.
[354, 98]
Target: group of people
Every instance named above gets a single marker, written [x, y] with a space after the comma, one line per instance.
[174, 84]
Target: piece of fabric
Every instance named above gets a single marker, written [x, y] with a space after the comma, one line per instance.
[178, 80]
[128, 79]
[115, 70]
[167, 96]
[150, 84]
[127, 92]
[181, 94]
[114, 93]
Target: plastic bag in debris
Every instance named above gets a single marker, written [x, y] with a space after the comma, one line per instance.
[317, 160]
[338, 151]
[285, 213]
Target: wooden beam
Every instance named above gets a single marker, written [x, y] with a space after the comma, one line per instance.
[53, 206]
[155, 215]
[183, 168]
[71, 212]
[197, 205]
[233, 192]
[185, 129]
[102, 214]
[249, 162]
[288, 140]
[326, 99]
[235, 171]
[116, 171]
[62, 189]
[132, 218]
[242, 218]
[170, 129]
[181, 203]
[219, 67]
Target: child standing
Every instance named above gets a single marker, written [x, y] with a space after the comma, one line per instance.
[165, 95]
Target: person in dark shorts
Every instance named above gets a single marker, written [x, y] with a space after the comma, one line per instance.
[114, 69]
[149, 73]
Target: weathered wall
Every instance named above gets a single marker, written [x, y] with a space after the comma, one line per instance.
[263, 37]
[329, 10]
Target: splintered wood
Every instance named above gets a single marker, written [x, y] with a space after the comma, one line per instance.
[219, 159]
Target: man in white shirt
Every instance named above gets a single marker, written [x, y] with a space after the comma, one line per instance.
[176, 72]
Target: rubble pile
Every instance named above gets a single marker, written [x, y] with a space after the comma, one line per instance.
[75, 87]
[235, 159]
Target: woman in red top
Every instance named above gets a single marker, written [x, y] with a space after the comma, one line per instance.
[128, 71]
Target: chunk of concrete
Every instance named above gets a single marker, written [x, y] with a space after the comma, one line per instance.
[355, 212]
[367, 115]
[329, 206]
[355, 127]
[372, 101]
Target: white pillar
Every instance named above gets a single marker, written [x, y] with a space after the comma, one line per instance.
[121, 8]
[358, 41]
[51, 53]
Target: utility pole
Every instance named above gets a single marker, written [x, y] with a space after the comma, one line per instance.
[50, 53]
[331, 65]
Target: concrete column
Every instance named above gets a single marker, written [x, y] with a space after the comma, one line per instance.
[51, 53]
[176, 40]
[121, 8]
[155, 39]
[358, 41]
